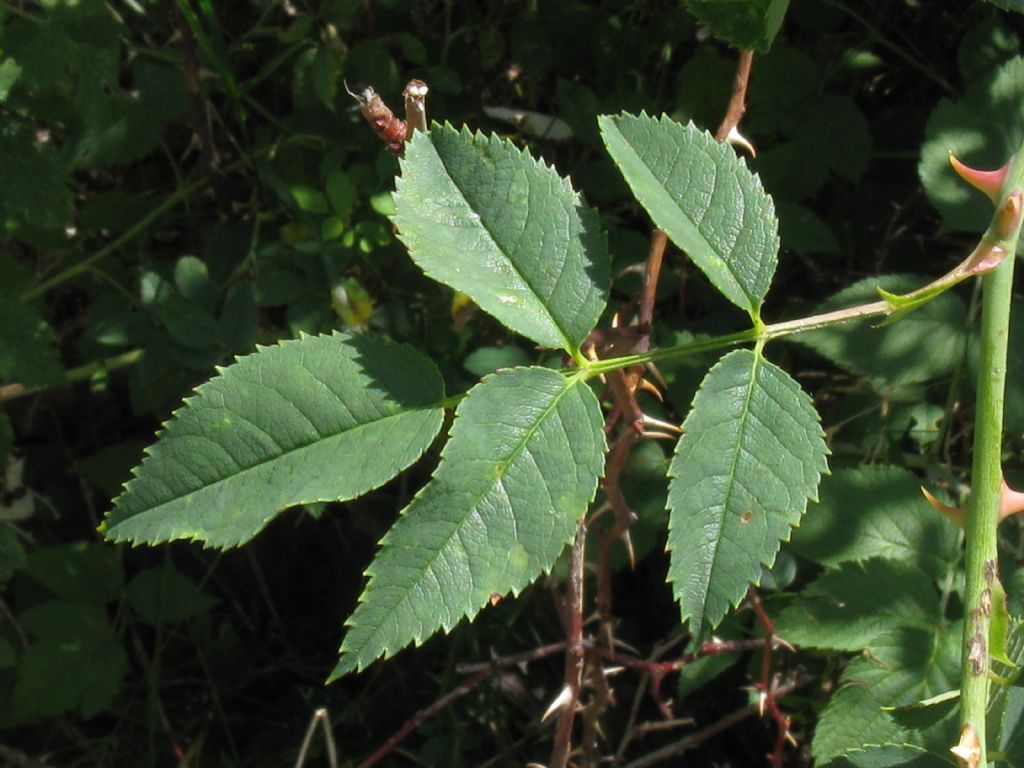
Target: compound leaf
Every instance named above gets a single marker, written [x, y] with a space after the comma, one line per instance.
[521, 467]
[704, 198]
[485, 218]
[750, 457]
[321, 418]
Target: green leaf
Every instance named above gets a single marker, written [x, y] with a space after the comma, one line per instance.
[36, 185]
[741, 23]
[751, 455]
[485, 218]
[892, 756]
[520, 469]
[847, 609]
[924, 345]
[28, 353]
[983, 130]
[876, 512]
[81, 572]
[902, 667]
[75, 662]
[321, 418]
[704, 198]
[984, 47]
[162, 595]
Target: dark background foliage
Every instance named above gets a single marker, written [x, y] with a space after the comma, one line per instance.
[179, 181]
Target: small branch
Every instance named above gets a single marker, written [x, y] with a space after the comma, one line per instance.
[424, 715]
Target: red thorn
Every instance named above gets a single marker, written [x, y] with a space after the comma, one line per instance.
[1008, 216]
[989, 182]
[1010, 501]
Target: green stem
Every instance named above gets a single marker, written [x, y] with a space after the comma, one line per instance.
[75, 375]
[987, 474]
[983, 512]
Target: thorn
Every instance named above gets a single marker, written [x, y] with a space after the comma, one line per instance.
[657, 375]
[956, 514]
[1010, 501]
[988, 182]
[792, 739]
[737, 139]
[650, 421]
[561, 702]
[779, 642]
[647, 386]
[762, 700]
[611, 671]
[628, 541]
[658, 436]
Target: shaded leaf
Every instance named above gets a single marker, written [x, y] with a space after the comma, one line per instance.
[81, 572]
[321, 418]
[704, 198]
[847, 609]
[983, 129]
[750, 457]
[485, 218]
[75, 662]
[520, 469]
[744, 23]
[902, 667]
[876, 512]
[162, 595]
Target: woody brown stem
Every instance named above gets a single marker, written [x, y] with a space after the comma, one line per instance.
[738, 100]
[573, 618]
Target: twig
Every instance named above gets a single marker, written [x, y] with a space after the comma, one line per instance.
[322, 717]
[695, 739]
[423, 715]
[512, 661]
[574, 657]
